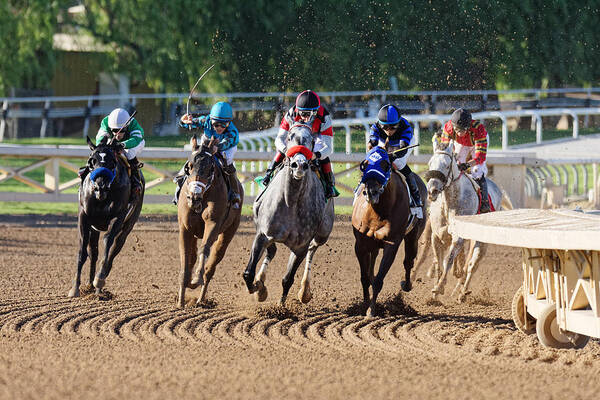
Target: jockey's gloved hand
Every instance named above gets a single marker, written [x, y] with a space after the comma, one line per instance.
[373, 142]
[463, 166]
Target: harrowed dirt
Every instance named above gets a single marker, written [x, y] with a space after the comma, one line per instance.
[137, 344]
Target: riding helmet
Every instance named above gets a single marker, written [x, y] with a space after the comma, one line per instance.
[221, 111]
[461, 118]
[308, 101]
[118, 118]
[388, 115]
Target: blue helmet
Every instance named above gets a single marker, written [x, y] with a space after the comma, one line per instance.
[388, 115]
[221, 111]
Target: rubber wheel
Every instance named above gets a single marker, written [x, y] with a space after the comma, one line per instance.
[527, 326]
[550, 336]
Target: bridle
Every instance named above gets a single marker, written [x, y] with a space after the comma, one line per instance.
[99, 169]
[196, 186]
[437, 174]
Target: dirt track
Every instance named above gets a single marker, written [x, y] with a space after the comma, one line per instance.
[138, 344]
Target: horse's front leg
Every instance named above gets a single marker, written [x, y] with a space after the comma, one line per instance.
[113, 236]
[365, 261]
[296, 257]
[211, 233]
[258, 246]
[187, 256]
[305, 295]
[455, 248]
[84, 237]
[479, 250]
[259, 282]
[389, 255]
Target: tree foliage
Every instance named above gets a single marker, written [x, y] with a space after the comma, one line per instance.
[266, 45]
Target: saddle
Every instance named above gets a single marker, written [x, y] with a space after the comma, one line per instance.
[124, 162]
[412, 219]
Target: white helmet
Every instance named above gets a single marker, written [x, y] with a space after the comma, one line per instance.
[117, 118]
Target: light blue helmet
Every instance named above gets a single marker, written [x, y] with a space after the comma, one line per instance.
[221, 111]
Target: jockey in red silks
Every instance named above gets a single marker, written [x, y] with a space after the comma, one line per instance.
[470, 146]
[307, 110]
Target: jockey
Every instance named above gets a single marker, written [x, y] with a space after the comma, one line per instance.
[218, 124]
[393, 132]
[470, 141]
[308, 110]
[131, 135]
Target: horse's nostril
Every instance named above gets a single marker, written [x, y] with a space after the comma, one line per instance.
[294, 165]
[305, 166]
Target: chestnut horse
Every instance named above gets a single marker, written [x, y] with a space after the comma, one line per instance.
[203, 212]
[381, 219]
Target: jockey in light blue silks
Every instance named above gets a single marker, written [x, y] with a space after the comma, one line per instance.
[218, 124]
[393, 132]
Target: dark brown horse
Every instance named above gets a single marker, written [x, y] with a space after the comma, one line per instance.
[203, 212]
[381, 219]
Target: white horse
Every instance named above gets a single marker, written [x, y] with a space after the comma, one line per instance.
[453, 193]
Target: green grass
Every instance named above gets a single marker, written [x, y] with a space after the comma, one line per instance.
[151, 141]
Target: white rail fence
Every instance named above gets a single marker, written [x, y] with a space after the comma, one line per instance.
[520, 174]
[263, 140]
[357, 102]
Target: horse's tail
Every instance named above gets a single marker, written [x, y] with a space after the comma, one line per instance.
[425, 247]
[505, 202]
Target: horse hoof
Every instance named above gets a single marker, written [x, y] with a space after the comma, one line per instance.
[370, 312]
[74, 292]
[261, 294]
[435, 296]
[406, 286]
[196, 282]
[304, 295]
[99, 284]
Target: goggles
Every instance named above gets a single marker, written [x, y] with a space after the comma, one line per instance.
[458, 128]
[389, 128]
[219, 124]
[307, 113]
[115, 130]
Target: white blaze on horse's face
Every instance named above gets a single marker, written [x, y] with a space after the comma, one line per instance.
[299, 166]
[102, 155]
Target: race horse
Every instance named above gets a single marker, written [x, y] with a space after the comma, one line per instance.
[291, 210]
[452, 192]
[381, 219]
[104, 206]
[204, 213]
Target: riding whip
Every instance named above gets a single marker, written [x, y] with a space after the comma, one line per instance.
[192, 91]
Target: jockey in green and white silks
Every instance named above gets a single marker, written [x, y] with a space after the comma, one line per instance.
[130, 134]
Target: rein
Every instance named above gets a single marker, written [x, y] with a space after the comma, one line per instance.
[445, 179]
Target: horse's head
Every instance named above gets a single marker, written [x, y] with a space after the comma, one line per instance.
[376, 170]
[103, 166]
[200, 168]
[442, 168]
[299, 149]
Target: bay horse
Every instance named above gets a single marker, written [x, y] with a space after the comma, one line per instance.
[104, 206]
[291, 210]
[203, 212]
[453, 193]
[381, 219]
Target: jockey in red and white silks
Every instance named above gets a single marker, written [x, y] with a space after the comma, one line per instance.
[470, 146]
[307, 110]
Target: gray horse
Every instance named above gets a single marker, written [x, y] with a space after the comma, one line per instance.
[453, 193]
[292, 210]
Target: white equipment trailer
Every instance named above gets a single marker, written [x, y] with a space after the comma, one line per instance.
[560, 295]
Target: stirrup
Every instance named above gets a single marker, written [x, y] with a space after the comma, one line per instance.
[417, 211]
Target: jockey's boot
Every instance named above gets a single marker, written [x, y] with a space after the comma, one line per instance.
[417, 204]
[269, 172]
[485, 204]
[233, 196]
[330, 185]
[136, 180]
[178, 180]
[83, 172]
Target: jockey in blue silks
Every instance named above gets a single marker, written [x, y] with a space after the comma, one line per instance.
[218, 124]
[392, 132]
